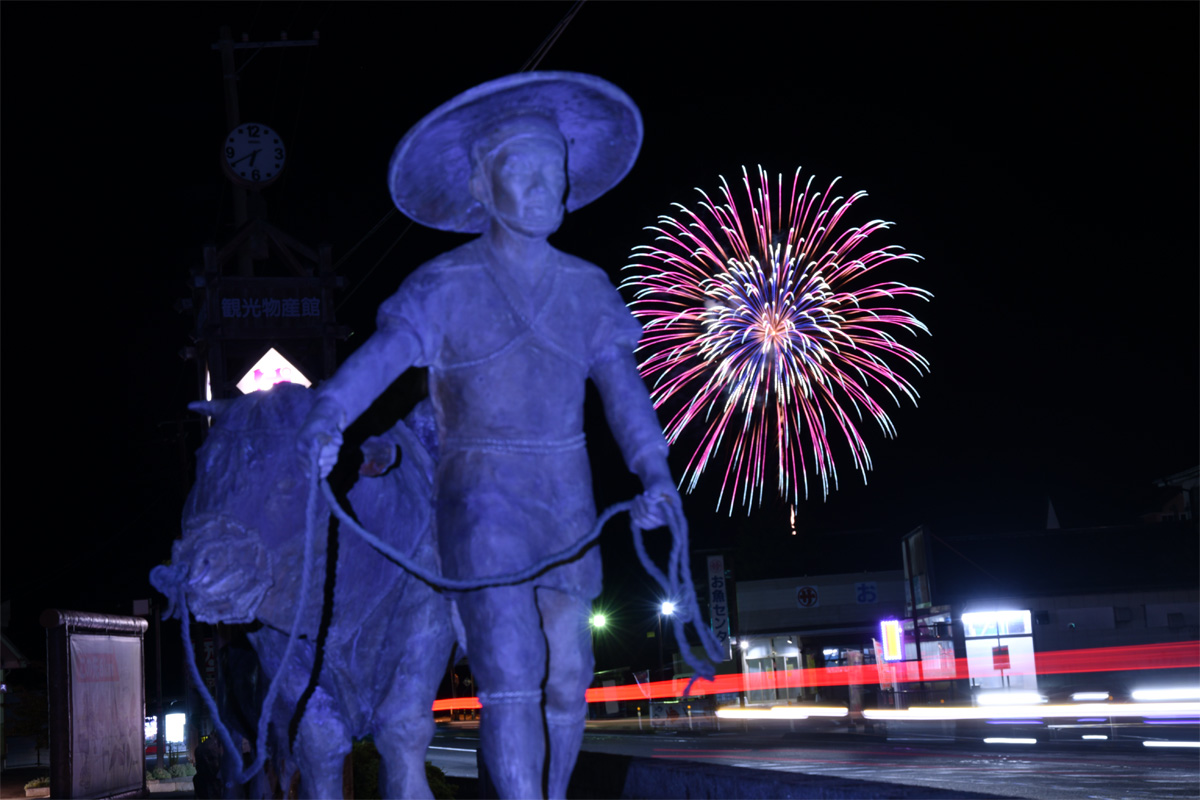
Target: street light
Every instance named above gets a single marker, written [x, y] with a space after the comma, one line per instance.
[596, 621]
[665, 609]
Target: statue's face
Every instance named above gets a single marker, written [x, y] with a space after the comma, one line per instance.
[529, 184]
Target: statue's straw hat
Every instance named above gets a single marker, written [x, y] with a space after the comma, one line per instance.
[430, 172]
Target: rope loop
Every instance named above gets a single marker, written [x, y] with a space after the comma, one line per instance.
[675, 583]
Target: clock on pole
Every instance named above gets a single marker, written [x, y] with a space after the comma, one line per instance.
[253, 155]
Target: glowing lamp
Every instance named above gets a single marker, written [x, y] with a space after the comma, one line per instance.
[668, 608]
[598, 620]
[890, 639]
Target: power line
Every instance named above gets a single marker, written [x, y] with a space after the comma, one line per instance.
[365, 236]
[531, 64]
[549, 41]
[391, 247]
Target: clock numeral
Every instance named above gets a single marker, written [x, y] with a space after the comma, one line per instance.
[279, 154]
[254, 175]
[253, 129]
[229, 152]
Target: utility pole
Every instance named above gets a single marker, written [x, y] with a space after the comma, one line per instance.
[229, 74]
[243, 311]
[149, 607]
[242, 314]
[232, 118]
[160, 735]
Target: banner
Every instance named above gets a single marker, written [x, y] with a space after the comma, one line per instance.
[107, 717]
[718, 604]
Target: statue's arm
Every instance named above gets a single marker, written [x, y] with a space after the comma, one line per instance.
[367, 373]
[634, 423]
[350, 391]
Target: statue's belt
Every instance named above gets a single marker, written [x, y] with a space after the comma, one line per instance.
[531, 446]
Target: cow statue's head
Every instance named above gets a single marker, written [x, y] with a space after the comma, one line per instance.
[243, 521]
[228, 569]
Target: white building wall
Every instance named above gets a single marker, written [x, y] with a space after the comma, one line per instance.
[1106, 620]
[841, 600]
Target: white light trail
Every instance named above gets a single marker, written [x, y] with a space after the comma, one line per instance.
[782, 712]
[1037, 711]
[1177, 693]
[1008, 698]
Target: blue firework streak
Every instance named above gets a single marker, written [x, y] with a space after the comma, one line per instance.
[769, 330]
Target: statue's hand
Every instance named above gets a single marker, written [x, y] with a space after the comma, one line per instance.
[650, 508]
[321, 431]
[379, 454]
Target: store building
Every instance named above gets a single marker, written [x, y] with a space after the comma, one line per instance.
[1042, 611]
[790, 624]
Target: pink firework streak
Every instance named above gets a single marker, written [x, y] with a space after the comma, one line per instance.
[767, 328]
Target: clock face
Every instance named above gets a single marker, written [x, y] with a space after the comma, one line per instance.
[253, 154]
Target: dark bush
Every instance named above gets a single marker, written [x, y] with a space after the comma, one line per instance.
[365, 759]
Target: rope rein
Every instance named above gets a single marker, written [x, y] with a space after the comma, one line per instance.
[676, 583]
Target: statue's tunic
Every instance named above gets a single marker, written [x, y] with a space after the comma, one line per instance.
[507, 377]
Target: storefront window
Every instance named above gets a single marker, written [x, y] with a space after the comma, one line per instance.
[759, 670]
[1000, 649]
[996, 623]
[786, 669]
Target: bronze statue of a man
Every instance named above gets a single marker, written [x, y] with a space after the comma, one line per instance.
[511, 330]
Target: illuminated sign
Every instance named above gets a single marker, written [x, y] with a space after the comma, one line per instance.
[890, 639]
[174, 731]
[271, 369]
[267, 307]
[1000, 657]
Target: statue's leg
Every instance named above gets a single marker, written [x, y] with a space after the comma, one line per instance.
[403, 722]
[565, 620]
[508, 659]
[322, 744]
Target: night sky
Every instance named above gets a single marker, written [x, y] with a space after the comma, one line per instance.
[1041, 157]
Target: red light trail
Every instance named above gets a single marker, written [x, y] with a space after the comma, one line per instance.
[1172, 655]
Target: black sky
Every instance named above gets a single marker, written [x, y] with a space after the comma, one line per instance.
[1041, 157]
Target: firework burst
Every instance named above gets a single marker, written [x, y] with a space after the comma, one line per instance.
[768, 331]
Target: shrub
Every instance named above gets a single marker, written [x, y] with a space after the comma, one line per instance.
[441, 788]
[366, 760]
[38, 783]
[161, 774]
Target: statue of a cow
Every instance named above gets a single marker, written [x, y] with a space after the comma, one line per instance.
[377, 638]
